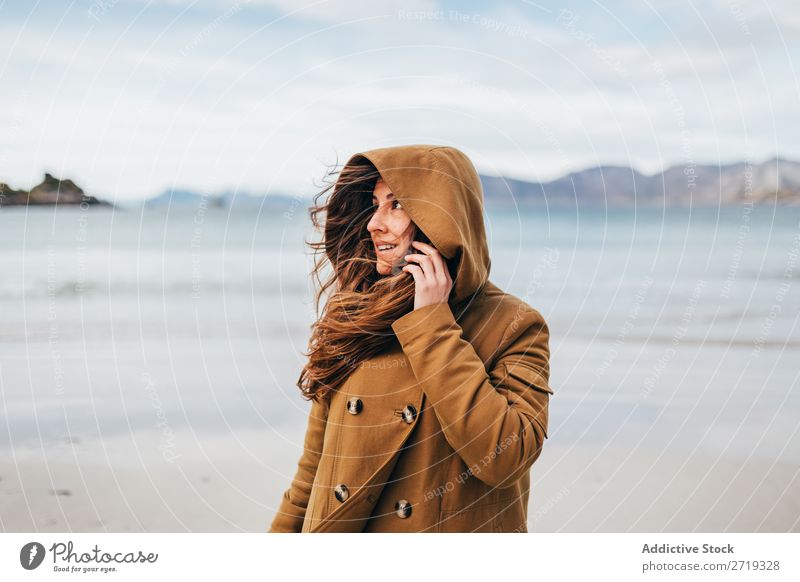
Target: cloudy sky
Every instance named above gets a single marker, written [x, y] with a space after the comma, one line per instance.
[129, 97]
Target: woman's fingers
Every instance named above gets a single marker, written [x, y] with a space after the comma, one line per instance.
[431, 277]
[437, 263]
[416, 272]
[425, 262]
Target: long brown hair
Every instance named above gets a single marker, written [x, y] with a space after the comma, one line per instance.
[355, 323]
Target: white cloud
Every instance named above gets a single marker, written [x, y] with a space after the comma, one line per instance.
[249, 105]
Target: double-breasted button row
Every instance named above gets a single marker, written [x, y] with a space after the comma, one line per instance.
[402, 508]
[409, 412]
[341, 492]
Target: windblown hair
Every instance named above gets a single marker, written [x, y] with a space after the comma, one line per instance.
[355, 323]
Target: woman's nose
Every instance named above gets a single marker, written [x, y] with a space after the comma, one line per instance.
[376, 222]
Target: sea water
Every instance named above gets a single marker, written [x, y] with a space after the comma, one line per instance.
[669, 329]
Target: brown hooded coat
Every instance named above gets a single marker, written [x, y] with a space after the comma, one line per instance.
[453, 416]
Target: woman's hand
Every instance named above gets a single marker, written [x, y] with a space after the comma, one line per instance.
[431, 278]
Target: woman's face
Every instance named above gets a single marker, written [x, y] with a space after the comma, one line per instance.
[390, 226]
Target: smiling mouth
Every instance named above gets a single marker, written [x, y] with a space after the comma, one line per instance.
[384, 248]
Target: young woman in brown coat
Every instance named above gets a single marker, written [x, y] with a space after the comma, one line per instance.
[429, 385]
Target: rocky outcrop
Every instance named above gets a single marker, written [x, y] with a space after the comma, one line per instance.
[50, 191]
[9, 196]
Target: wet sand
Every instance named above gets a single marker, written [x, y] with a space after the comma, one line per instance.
[232, 483]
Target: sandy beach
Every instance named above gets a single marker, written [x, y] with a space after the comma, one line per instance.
[232, 484]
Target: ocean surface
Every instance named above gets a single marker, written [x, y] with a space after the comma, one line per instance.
[673, 330]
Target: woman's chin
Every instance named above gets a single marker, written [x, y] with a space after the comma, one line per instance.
[383, 268]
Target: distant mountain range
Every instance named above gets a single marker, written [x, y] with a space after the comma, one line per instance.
[774, 181]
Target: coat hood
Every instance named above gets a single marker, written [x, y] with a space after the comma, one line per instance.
[439, 188]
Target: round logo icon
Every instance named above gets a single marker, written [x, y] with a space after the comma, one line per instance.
[31, 555]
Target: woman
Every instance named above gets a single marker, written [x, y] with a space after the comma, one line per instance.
[429, 385]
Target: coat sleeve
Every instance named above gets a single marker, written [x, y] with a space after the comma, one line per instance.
[292, 510]
[495, 420]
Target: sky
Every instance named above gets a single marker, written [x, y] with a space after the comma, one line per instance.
[132, 97]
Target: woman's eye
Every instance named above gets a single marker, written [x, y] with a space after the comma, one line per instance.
[395, 204]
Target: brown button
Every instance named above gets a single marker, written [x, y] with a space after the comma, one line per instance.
[354, 405]
[402, 508]
[341, 492]
[409, 413]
